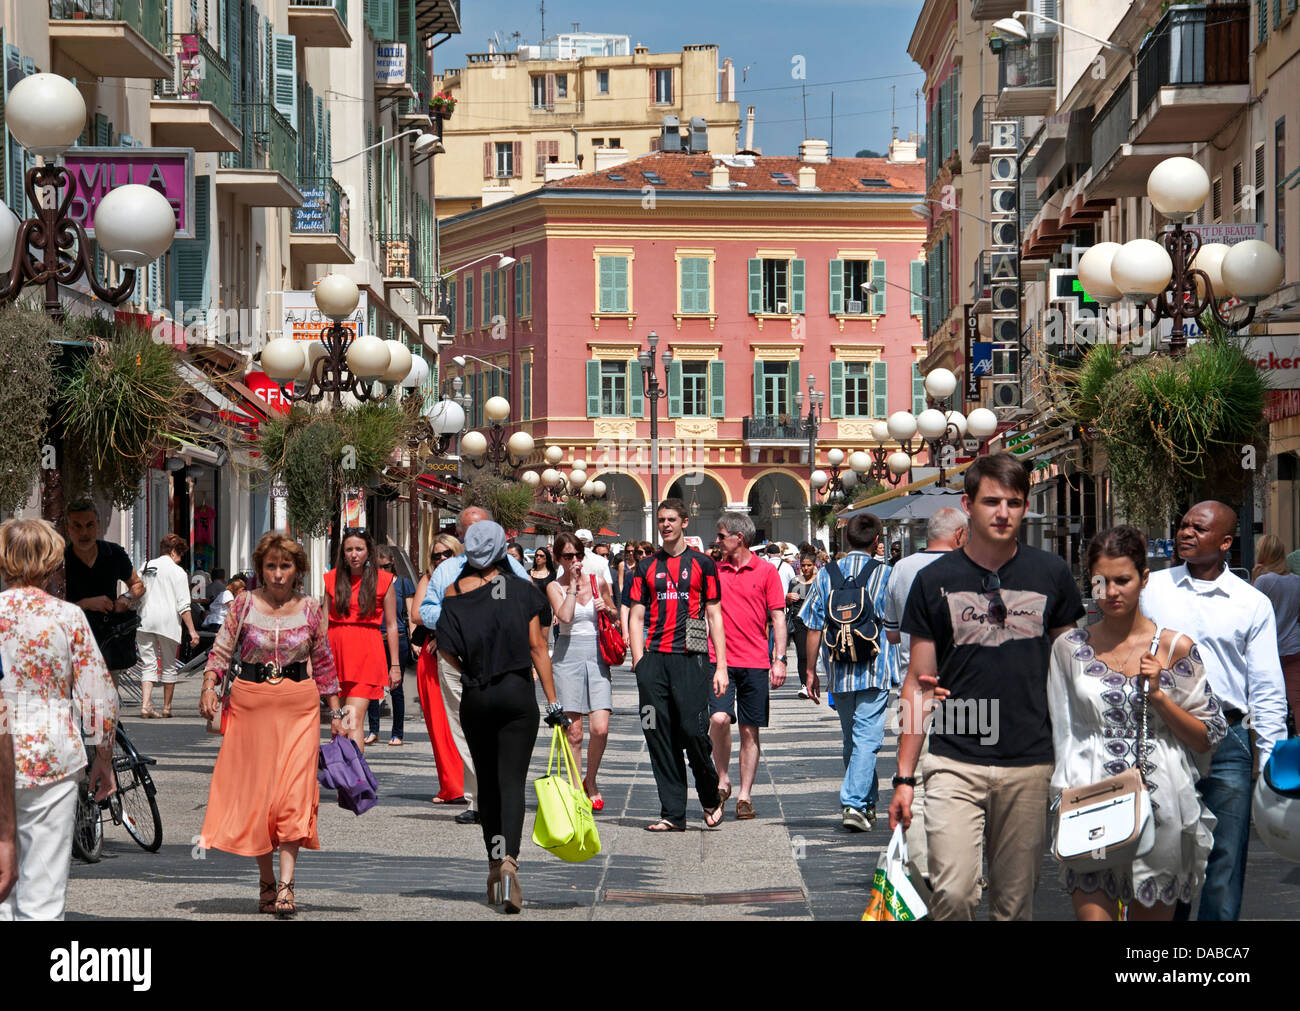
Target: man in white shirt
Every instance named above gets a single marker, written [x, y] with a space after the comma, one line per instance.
[783, 568]
[592, 563]
[1235, 632]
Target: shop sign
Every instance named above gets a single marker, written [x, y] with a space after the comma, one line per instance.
[302, 321]
[95, 171]
[268, 391]
[1278, 357]
[390, 63]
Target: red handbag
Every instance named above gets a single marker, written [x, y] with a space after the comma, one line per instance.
[612, 647]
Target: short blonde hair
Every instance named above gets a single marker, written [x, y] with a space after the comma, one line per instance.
[30, 551]
[450, 541]
[278, 540]
[1270, 554]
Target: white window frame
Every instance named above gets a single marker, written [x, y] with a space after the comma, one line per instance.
[504, 160]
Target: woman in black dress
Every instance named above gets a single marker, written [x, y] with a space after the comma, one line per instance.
[489, 630]
[543, 574]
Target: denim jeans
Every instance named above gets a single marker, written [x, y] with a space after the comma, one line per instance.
[862, 725]
[1227, 793]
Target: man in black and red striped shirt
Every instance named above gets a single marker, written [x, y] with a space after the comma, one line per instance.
[672, 592]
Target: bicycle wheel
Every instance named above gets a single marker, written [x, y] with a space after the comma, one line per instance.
[135, 806]
[88, 829]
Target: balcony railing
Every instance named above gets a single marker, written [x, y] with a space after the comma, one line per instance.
[401, 255]
[1110, 129]
[1195, 46]
[148, 17]
[981, 115]
[1028, 65]
[269, 141]
[324, 209]
[339, 5]
[212, 86]
[418, 77]
[773, 427]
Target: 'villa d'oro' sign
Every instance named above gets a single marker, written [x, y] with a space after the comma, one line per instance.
[97, 170]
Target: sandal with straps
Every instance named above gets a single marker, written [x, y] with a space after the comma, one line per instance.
[284, 904]
[266, 898]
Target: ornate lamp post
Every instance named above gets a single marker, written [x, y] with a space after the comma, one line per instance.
[443, 422]
[340, 363]
[654, 393]
[1178, 277]
[812, 424]
[496, 448]
[835, 480]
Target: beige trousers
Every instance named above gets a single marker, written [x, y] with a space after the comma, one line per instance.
[1006, 806]
[449, 682]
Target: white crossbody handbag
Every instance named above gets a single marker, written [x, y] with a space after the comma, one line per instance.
[1109, 822]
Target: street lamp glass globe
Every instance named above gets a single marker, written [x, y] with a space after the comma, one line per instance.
[981, 423]
[580, 464]
[1141, 269]
[337, 296]
[134, 225]
[598, 489]
[553, 454]
[473, 444]
[446, 417]
[45, 113]
[497, 409]
[315, 352]
[931, 424]
[1178, 187]
[880, 432]
[551, 477]
[959, 420]
[530, 478]
[901, 426]
[1252, 270]
[520, 444]
[418, 375]
[818, 479]
[399, 362]
[859, 462]
[899, 463]
[283, 359]
[577, 477]
[940, 383]
[1209, 258]
[848, 479]
[8, 236]
[1094, 273]
[835, 457]
[368, 357]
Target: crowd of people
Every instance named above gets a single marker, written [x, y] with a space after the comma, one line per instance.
[1006, 699]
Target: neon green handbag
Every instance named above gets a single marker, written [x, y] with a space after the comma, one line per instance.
[565, 825]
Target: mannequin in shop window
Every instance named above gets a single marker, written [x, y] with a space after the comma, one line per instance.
[205, 524]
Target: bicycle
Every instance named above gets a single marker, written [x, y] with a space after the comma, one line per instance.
[134, 805]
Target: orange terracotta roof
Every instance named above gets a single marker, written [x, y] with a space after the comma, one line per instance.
[764, 175]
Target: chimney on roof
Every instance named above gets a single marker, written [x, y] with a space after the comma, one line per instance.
[608, 157]
[807, 178]
[749, 129]
[720, 177]
[815, 152]
[902, 152]
[640, 50]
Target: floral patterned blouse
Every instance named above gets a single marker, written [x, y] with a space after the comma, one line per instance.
[54, 678]
[284, 640]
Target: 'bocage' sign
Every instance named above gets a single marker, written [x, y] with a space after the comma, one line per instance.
[1004, 271]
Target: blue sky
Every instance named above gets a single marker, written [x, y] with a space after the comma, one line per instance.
[855, 49]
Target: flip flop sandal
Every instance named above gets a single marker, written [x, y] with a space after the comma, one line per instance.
[663, 825]
[713, 817]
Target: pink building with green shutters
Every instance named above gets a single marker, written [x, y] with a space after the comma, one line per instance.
[750, 269]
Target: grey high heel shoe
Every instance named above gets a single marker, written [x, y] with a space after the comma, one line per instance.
[512, 896]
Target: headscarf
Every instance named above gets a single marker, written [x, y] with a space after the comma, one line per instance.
[485, 544]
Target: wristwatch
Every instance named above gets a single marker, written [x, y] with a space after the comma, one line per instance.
[338, 714]
[898, 781]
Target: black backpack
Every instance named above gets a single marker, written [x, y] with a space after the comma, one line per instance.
[852, 627]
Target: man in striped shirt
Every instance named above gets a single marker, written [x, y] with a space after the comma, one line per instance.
[861, 690]
[671, 592]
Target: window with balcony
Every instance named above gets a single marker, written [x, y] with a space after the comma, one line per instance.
[663, 86]
[775, 394]
[602, 82]
[776, 286]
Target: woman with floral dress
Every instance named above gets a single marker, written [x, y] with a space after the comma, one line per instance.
[264, 795]
[52, 668]
[1095, 696]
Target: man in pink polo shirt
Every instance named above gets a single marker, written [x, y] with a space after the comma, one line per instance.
[752, 597]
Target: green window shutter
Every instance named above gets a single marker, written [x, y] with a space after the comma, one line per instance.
[190, 256]
[879, 390]
[717, 389]
[486, 281]
[916, 281]
[755, 286]
[496, 295]
[796, 287]
[385, 24]
[526, 391]
[918, 389]
[675, 389]
[635, 390]
[758, 386]
[620, 283]
[837, 389]
[469, 302]
[607, 284]
[285, 87]
[519, 290]
[695, 284]
[878, 279]
[450, 309]
[329, 146]
[103, 130]
[794, 385]
[593, 388]
[837, 287]
[528, 287]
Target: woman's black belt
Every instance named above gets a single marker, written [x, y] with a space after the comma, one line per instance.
[260, 672]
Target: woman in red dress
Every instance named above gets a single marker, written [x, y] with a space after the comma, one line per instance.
[451, 768]
[359, 599]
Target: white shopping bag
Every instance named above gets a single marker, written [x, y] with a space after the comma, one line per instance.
[893, 896]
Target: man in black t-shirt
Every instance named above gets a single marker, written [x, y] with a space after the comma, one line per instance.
[93, 569]
[981, 621]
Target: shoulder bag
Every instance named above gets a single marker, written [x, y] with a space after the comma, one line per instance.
[612, 647]
[564, 825]
[1110, 822]
[697, 629]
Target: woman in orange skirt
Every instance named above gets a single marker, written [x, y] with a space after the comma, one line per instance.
[264, 793]
[360, 600]
[451, 770]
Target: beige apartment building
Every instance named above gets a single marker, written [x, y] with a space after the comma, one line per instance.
[582, 101]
